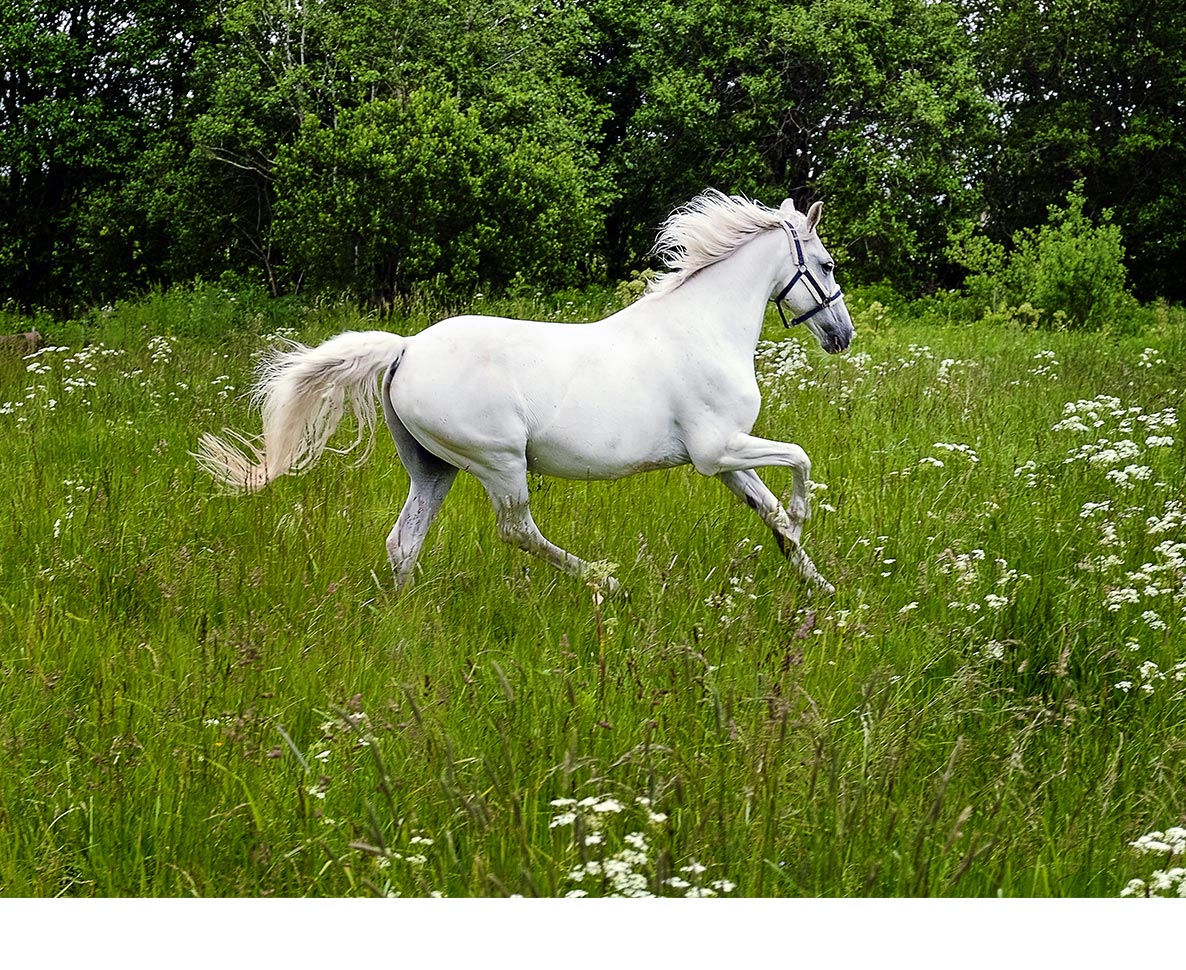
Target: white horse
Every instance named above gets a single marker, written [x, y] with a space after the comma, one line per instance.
[667, 381]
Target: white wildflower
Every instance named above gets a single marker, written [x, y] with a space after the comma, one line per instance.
[958, 449]
[1135, 887]
[1172, 842]
[1117, 598]
[1153, 621]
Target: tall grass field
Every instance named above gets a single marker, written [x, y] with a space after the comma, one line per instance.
[214, 695]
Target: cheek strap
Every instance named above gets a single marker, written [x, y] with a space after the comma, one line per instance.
[803, 273]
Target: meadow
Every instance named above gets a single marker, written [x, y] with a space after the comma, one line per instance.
[212, 695]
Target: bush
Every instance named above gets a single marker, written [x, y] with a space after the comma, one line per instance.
[410, 195]
[1067, 274]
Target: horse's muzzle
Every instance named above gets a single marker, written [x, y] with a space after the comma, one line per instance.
[835, 342]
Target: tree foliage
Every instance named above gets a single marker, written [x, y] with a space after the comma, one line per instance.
[376, 147]
[87, 88]
[873, 104]
[1091, 91]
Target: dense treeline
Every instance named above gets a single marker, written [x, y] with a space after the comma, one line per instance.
[377, 147]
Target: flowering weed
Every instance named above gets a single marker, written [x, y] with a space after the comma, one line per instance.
[1169, 846]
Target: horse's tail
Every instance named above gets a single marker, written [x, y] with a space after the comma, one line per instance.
[303, 392]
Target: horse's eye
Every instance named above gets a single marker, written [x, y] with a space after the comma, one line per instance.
[829, 266]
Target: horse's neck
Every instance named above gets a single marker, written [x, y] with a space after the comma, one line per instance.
[723, 305]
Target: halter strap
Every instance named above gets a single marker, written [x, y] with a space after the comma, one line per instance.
[802, 273]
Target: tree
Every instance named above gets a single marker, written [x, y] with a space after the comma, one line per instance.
[404, 193]
[871, 103]
[1068, 272]
[376, 147]
[1091, 91]
[86, 87]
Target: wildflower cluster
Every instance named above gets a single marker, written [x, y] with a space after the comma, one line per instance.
[963, 451]
[1031, 473]
[406, 862]
[1165, 577]
[1114, 448]
[353, 726]
[783, 368]
[77, 376]
[981, 589]
[1170, 881]
[1047, 365]
[971, 573]
[1149, 359]
[160, 349]
[1127, 444]
[816, 489]
[1150, 677]
[1146, 602]
[732, 598]
[622, 867]
[944, 375]
[281, 335]
[852, 622]
[737, 593]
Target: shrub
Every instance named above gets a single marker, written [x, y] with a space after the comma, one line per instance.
[1066, 274]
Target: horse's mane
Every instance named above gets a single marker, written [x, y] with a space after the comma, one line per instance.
[705, 231]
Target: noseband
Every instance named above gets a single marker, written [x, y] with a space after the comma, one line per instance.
[803, 273]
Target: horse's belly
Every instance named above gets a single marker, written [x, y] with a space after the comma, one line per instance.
[605, 456]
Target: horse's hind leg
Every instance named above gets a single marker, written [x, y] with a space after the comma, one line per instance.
[431, 478]
[507, 489]
[787, 529]
[425, 497]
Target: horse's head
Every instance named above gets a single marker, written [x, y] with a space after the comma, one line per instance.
[810, 290]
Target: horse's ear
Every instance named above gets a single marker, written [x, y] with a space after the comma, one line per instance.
[787, 208]
[813, 215]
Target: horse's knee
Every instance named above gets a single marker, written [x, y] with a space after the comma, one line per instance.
[514, 535]
[515, 527]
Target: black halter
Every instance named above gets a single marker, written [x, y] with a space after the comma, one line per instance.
[803, 273]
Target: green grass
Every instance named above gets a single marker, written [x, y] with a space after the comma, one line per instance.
[214, 695]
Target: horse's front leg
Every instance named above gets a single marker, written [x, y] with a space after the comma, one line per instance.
[744, 452]
[748, 487]
[734, 464]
